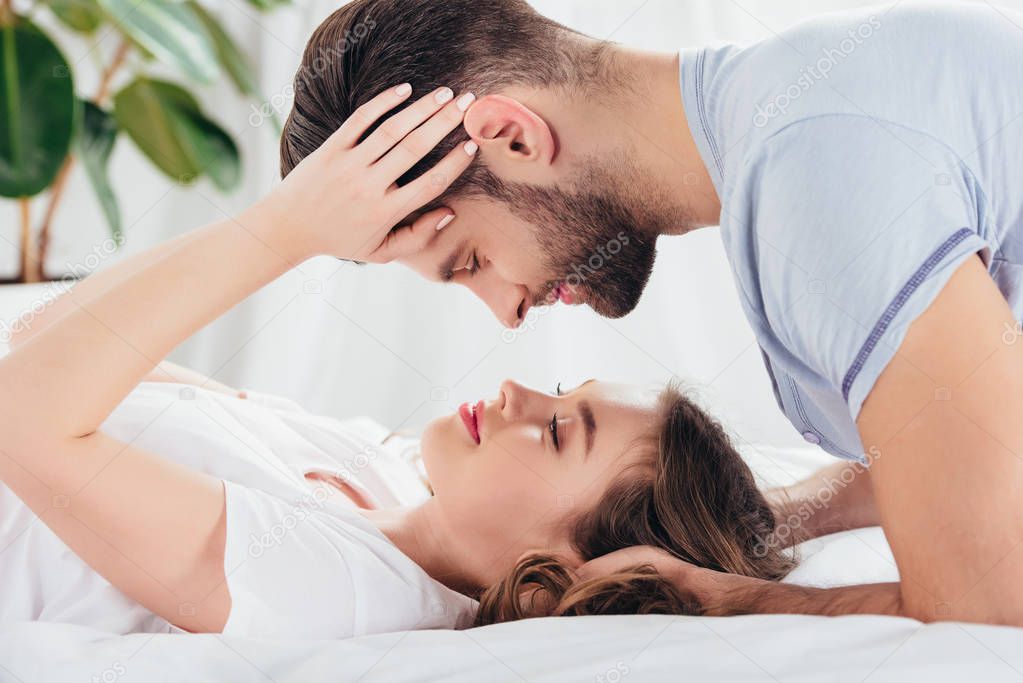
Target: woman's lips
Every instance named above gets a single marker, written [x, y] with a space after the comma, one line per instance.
[472, 418]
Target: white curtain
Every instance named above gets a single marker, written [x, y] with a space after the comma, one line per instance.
[348, 341]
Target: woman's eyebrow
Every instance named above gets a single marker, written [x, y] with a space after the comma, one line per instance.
[446, 272]
[589, 424]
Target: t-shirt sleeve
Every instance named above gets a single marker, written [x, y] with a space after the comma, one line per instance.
[857, 226]
[287, 571]
[307, 569]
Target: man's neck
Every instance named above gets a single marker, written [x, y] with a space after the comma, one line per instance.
[653, 121]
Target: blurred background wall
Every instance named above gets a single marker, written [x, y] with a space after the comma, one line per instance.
[349, 341]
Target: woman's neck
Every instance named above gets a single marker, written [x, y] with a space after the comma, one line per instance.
[419, 536]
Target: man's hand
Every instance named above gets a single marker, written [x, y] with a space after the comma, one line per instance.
[666, 564]
[720, 594]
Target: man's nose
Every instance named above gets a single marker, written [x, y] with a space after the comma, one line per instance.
[508, 302]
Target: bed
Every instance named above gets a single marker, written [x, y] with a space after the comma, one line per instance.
[600, 649]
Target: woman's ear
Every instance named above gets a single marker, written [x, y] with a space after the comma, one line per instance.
[515, 142]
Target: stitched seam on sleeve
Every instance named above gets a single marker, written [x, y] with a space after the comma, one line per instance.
[701, 104]
[896, 305]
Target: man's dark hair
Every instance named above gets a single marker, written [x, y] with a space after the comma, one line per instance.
[480, 46]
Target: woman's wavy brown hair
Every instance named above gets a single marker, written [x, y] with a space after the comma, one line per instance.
[693, 496]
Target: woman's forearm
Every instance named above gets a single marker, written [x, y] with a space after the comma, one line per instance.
[88, 288]
[66, 382]
[99, 282]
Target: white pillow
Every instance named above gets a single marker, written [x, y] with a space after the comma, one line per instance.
[845, 558]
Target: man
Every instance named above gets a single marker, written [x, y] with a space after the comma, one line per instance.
[865, 170]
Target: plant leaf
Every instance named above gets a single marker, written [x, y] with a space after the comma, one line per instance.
[146, 110]
[170, 31]
[95, 144]
[37, 109]
[214, 150]
[167, 124]
[267, 5]
[83, 16]
[230, 57]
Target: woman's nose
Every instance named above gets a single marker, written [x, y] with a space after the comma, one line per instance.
[518, 402]
[510, 401]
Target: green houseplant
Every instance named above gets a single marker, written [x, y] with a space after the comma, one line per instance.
[46, 126]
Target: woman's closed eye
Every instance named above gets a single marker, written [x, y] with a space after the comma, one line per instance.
[553, 426]
[553, 429]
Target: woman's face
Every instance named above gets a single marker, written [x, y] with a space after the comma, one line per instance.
[506, 483]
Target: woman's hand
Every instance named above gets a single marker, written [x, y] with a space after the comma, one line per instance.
[343, 199]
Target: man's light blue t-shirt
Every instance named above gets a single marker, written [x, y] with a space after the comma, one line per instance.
[860, 159]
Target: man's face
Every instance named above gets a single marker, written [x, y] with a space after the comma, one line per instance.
[589, 241]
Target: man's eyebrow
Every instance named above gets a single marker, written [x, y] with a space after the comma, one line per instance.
[590, 425]
[446, 272]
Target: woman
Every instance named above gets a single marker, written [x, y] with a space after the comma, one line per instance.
[188, 509]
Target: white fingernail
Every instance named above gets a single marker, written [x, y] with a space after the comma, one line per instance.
[444, 222]
[465, 101]
[403, 90]
[444, 95]
[471, 148]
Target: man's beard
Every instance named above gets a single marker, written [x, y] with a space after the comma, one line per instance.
[597, 237]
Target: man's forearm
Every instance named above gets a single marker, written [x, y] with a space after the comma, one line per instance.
[836, 498]
[729, 594]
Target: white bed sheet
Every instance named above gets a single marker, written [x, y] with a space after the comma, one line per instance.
[611, 649]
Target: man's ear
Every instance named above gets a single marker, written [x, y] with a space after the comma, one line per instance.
[515, 142]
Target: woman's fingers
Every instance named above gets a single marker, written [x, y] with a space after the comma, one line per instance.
[396, 128]
[437, 180]
[411, 239]
[363, 118]
[418, 143]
